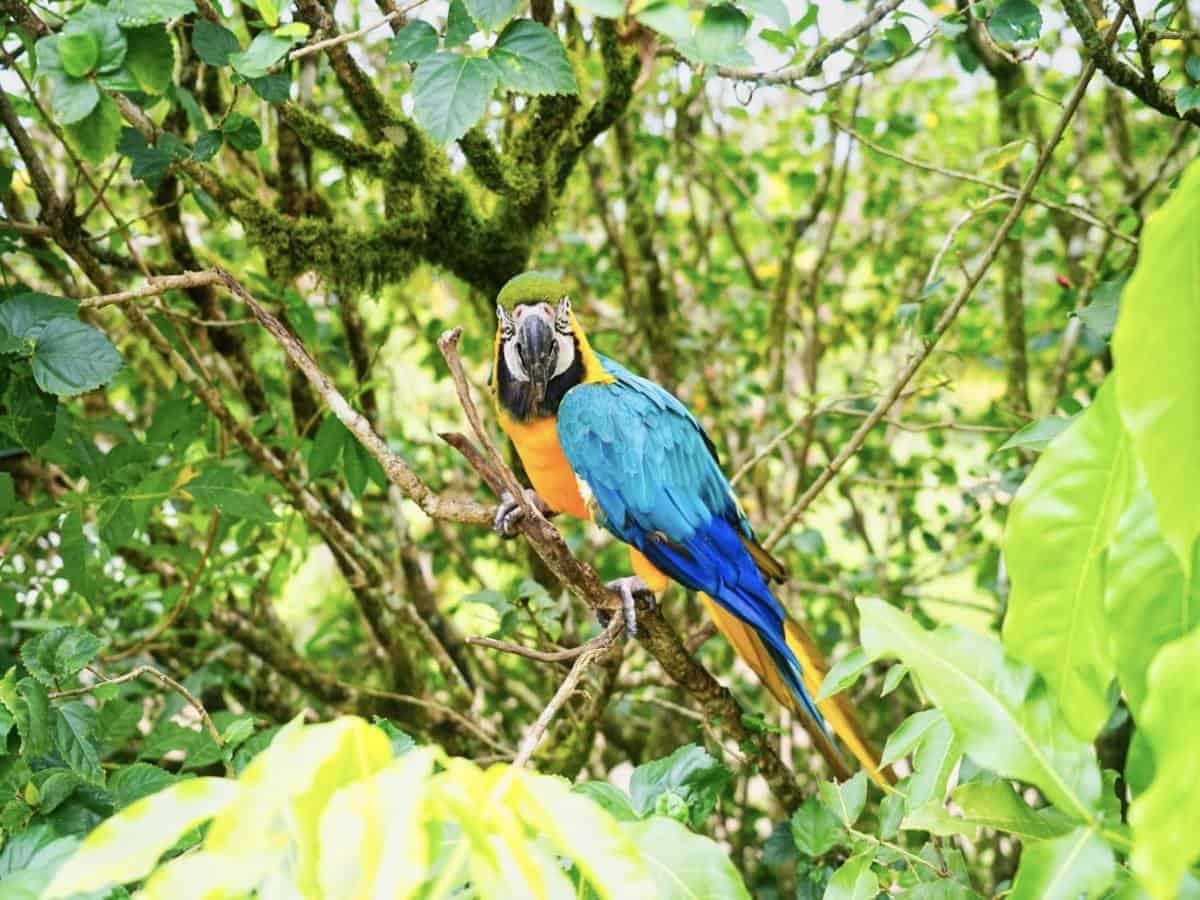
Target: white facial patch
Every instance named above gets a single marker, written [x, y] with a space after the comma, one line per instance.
[566, 353]
[512, 360]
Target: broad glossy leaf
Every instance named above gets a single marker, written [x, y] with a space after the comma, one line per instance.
[95, 135]
[459, 24]
[71, 99]
[855, 880]
[1037, 435]
[1148, 602]
[847, 799]
[610, 798]
[72, 357]
[684, 866]
[530, 59]
[374, 839]
[151, 58]
[126, 846]
[264, 51]
[75, 738]
[58, 654]
[284, 791]
[1164, 816]
[490, 15]
[1187, 99]
[129, 784]
[25, 315]
[136, 13]
[78, 53]
[1015, 20]
[937, 753]
[214, 44]
[844, 673]
[815, 830]
[992, 805]
[1000, 712]
[1059, 527]
[27, 703]
[416, 40]
[691, 773]
[721, 36]
[1076, 865]
[1157, 366]
[101, 23]
[902, 741]
[450, 94]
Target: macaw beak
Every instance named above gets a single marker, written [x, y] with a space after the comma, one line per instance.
[538, 350]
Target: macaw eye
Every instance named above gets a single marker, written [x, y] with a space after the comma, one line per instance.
[507, 328]
[562, 318]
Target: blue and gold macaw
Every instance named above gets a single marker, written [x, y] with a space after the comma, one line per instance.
[601, 443]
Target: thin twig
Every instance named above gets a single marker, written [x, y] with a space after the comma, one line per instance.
[603, 639]
[325, 44]
[537, 731]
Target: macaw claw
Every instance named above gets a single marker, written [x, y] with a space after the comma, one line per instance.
[630, 589]
[510, 512]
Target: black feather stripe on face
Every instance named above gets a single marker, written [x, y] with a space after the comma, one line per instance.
[516, 396]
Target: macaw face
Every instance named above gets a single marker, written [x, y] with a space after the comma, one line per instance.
[538, 357]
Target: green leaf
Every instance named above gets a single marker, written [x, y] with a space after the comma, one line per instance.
[721, 36]
[450, 94]
[844, 673]
[58, 654]
[71, 99]
[815, 830]
[72, 357]
[998, 710]
[327, 446]
[74, 736]
[605, 9]
[1148, 602]
[845, 800]
[610, 798]
[1076, 865]
[95, 136]
[459, 25]
[264, 51]
[490, 15]
[530, 59]
[27, 702]
[937, 753]
[1100, 316]
[415, 41]
[104, 28]
[214, 44]
[29, 413]
[684, 866]
[129, 784]
[8, 497]
[893, 679]
[56, 789]
[208, 145]
[242, 132]
[1163, 816]
[775, 10]
[399, 739]
[855, 880]
[902, 741]
[126, 846]
[1160, 404]
[1187, 99]
[220, 489]
[171, 737]
[151, 58]
[1037, 435]
[1059, 525]
[274, 88]
[1192, 67]
[690, 773]
[25, 315]
[269, 10]
[1015, 20]
[996, 805]
[138, 13]
[79, 53]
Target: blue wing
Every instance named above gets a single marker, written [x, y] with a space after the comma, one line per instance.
[656, 484]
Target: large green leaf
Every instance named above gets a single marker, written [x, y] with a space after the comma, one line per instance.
[1157, 351]
[1059, 527]
[684, 866]
[95, 135]
[990, 804]
[136, 13]
[264, 52]
[151, 58]
[413, 43]
[1148, 601]
[1164, 816]
[71, 99]
[27, 703]
[721, 36]
[224, 490]
[690, 774]
[491, 14]
[213, 43]
[58, 654]
[126, 846]
[999, 710]
[75, 739]
[72, 357]
[1015, 20]
[102, 25]
[815, 830]
[855, 880]
[1074, 866]
[530, 59]
[451, 92]
[25, 315]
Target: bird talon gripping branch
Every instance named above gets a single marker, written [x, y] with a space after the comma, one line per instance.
[631, 589]
[510, 512]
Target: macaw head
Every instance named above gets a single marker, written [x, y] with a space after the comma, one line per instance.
[540, 347]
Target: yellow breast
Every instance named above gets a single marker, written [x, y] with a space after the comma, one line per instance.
[546, 464]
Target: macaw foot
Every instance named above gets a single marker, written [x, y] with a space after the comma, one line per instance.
[630, 589]
[509, 512]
